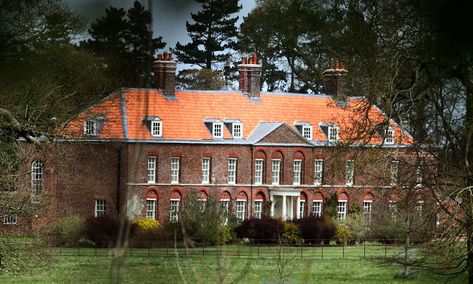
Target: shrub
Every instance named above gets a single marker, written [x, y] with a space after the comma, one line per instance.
[102, 230]
[68, 231]
[145, 233]
[85, 243]
[291, 234]
[316, 229]
[264, 230]
[147, 224]
[342, 234]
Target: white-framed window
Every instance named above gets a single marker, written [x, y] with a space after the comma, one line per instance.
[389, 137]
[317, 208]
[419, 175]
[392, 206]
[174, 210]
[367, 211]
[202, 204]
[258, 208]
[350, 172]
[394, 172]
[333, 135]
[37, 171]
[10, 220]
[100, 207]
[342, 209]
[151, 169]
[217, 129]
[206, 170]
[419, 207]
[225, 206]
[319, 171]
[259, 164]
[175, 165]
[237, 130]
[275, 171]
[90, 127]
[232, 170]
[151, 208]
[301, 208]
[156, 128]
[297, 172]
[240, 209]
[307, 131]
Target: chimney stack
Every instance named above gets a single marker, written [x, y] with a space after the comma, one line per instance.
[250, 76]
[165, 73]
[335, 80]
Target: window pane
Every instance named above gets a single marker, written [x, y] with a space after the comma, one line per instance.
[258, 209]
[37, 176]
[297, 172]
[240, 209]
[151, 169]
[174, 211]
[100, 207]
[317, 208]
[232, 167]
[206, 170]
[318, 172]
[151, 208]
[175, 170]
[259, 171]
[276, 164]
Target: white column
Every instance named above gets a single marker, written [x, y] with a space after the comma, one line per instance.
[284, 208]
[272, 205]
[298, 208]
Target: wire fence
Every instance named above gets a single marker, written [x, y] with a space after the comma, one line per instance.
[319, 250]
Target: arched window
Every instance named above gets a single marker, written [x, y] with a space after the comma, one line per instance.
[202, 199]
[151, 204]
[302, 205]
[174, 203]
[241, 201]
[342, 205]
[259, 199]
[317, 204]
[37, 170]
[225, 199]
[367, 206]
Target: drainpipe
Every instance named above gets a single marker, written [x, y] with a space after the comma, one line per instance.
[251, 180]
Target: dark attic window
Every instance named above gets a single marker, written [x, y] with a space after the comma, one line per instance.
[235, 127]
[305, 129]
[154, 125]
[93, 125]
[215, 126]
[332, 132]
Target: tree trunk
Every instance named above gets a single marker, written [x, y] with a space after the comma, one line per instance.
[406, 252]
[469, 261]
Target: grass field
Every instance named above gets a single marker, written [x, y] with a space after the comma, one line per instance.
[242, 264]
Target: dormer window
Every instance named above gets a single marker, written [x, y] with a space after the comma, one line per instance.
[333, 134]
[307, 132]
[237, 130]
[217, 129]
[156, 128]
[90, 127]
[389, 137]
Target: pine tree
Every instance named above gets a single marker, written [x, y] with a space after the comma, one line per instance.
[212, 33]
[124, 41]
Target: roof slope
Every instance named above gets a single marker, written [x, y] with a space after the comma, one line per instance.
[184, 117]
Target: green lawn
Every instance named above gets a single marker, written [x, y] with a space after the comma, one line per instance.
[246, 264]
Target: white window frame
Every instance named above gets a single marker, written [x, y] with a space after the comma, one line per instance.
[37, 176]
[225, 206]
[342, 209]
[333, 134]
[10, 220]
[151, 208]
[174, 210]
[156, 128]
[258, 208]
[217, 129]
[152, 160]
[307, 132]
[175, 167]
[317, 208]
[297, 170]
[389, 136]
[419, 178]
[232, 170]
[237, 130]
[394, 172]
[202, 204]
[206, 162]
[240, 209]
[367, 210]
[301, 208]
[419, 207]
[318, 172]
[275, 171]
[350, 172]
[100, 207]
[392, 206]
[259, 171]
[90, 127]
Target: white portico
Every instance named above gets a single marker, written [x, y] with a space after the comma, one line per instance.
[283, 202]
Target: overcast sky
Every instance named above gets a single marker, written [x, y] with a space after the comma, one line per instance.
[169, 16]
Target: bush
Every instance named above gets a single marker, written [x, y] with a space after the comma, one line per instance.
[102, 230]
[147, 224]
[291, 234]
[342, 234]
[68, 231]
[264, 230]
[145, 233]
[316, 229]
[85, 243]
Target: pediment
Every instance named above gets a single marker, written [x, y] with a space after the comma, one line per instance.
[284, 134]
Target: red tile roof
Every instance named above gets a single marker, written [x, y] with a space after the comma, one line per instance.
[183, 117]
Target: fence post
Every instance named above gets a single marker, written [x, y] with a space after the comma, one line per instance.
[385, 250]
[258, 249]
[343, 251]
[302, 246]
[203, 250]
[322, 249]
[238, 249]
[364, 249]
[95, 250]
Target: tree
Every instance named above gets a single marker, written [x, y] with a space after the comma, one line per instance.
[126, 45]
[212, 33]
[200, 79]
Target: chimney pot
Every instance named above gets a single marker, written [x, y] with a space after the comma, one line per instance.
[160, 56]
[250, 76]
[165, 73]
[243, 60]
[255, 59]
[335, 80]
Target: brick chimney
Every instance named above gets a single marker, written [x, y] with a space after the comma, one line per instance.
[165, 73]
[335, 80]
[250, 76]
